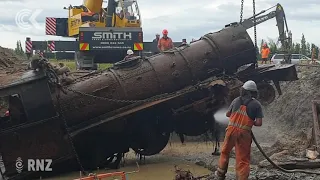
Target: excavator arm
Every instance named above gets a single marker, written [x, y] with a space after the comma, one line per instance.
[285, 36]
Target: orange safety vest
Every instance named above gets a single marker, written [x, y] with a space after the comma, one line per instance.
[240, 118]
[7, 113]
[165, 44]
[265, 52]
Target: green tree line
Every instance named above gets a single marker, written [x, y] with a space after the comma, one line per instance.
[303, 47]
[18, 50]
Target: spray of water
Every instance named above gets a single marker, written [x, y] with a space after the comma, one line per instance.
[220, 116]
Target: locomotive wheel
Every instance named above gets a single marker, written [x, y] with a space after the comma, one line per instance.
[267, 93]
[150, 141]
[193, 124]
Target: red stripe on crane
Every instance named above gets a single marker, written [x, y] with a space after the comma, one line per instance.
[28, 46]
[51, 26]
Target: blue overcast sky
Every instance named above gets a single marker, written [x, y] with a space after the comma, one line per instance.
[183, 18]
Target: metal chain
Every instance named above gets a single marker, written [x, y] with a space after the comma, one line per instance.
[241, 11]
[61, 113]
[156, 98]
[255, 30]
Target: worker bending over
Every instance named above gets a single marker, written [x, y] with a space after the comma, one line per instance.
[265, 51]
[244, 112]
[165, 43]
[129, 55]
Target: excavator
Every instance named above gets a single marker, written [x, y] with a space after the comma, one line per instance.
[285, 35]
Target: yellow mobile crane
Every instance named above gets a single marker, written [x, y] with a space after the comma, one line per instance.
[103, 35]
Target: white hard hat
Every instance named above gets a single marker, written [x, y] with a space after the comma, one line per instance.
[129, 52]
[250, 86]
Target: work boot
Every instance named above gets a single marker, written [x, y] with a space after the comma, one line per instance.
[219, 176]
[216, 152]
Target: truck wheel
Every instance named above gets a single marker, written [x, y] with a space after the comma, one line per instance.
[150, 140]
[267, 93]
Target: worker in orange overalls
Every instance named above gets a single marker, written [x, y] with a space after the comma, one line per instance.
[244, 112]
[265, 51]
[165, 43]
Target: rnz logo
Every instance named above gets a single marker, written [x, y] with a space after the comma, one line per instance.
[34, 165]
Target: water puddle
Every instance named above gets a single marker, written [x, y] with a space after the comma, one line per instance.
[158, 167]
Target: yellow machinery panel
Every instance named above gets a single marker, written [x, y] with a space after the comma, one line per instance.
[73, 12]
[135, 23]
[93, 5]
[74, 23]
[118, 22]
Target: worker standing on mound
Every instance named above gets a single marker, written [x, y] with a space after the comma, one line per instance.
[244, 112]
[165, 43]
[265, 51]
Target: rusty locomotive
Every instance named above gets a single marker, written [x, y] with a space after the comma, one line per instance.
[135, 104]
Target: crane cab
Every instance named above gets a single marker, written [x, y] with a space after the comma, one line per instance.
[127, 14]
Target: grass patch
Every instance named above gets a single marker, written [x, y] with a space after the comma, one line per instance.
[72, 65]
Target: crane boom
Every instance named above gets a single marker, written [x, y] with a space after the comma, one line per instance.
[285, 36]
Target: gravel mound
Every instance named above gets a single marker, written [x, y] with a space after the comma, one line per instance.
[10, 62]
[290, 115]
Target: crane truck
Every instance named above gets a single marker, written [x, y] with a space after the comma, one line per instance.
[102, 35]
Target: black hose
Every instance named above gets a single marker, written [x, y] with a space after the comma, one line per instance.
[278, 167]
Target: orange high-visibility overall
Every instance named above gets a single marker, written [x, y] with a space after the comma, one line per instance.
[165, 44]
[238, 135]
[265, 53]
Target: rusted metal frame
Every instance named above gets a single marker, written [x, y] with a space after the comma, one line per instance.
[186, 60]
[156, 74]
[119, 82]
[27, 125]
[15, 88]
[213, 45]
[316, 127]
[119, 113]
[86, 75]
[190, 106]
[116, 116]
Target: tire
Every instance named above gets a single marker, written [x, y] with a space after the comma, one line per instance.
[267, 93]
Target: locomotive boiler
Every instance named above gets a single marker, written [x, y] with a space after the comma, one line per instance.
[135, 104]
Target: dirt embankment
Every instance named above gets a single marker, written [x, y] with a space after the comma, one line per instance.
[11, 66]
[291, 113]
[10, 62]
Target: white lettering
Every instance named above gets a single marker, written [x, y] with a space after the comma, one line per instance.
[40, 165]
[112, 36]
[48, 167]
[262, 19]
[31, 164]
